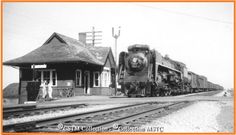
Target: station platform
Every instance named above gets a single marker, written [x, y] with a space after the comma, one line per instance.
[103, 100]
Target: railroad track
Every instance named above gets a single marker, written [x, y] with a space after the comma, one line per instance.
[21, 107]
[107, 120]
[19, 112]
[205, 93]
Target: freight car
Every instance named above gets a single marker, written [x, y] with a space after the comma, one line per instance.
[145, 72]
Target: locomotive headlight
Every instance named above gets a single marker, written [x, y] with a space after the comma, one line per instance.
[135, 60]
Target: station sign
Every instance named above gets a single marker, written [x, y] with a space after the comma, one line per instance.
[39, 66]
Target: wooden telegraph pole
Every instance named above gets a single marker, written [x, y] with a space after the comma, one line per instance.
[116, 36]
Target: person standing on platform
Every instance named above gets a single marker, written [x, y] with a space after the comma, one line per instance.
[50, 89]
[44, 90]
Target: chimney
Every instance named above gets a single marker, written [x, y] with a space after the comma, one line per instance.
[82, 37]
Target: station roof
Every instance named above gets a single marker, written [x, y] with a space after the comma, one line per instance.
[62, 49]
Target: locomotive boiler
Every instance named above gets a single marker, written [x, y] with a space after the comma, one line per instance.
[145, 72]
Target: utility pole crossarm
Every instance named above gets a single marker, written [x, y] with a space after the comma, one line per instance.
[92, 36]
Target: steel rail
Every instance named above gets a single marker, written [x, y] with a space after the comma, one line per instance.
[109, 124]
[27, 126]
[20, 107]
[13, 112]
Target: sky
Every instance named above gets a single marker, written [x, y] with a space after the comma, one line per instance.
[198, 34]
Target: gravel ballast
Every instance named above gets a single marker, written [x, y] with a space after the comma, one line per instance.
[202, 116]
[59, 113]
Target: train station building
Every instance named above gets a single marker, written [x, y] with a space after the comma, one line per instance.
[70, 65]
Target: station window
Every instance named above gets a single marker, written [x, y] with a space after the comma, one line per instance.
[54, 78]
[78, 77]
[47, 75]
[96, 79]
[106, 79]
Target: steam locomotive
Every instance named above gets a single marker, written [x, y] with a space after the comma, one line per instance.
[145, 72]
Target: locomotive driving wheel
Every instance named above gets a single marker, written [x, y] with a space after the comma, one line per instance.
[166, 93]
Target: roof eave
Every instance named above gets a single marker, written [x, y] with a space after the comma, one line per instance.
[19, 64]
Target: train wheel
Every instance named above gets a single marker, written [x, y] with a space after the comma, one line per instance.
[161, 93]
[126, 92]
[123, 88]
[148, 91]
[166, 93]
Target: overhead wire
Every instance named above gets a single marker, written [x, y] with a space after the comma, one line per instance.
[185, 14]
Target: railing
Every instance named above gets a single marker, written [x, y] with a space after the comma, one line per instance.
[64, 91]
[61, 91]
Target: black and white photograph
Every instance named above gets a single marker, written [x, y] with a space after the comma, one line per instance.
[133, 67]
